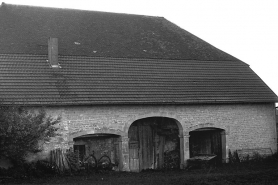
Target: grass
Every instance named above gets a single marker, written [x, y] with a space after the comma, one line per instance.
[265, 172]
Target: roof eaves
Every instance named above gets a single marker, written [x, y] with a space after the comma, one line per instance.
[194, 102]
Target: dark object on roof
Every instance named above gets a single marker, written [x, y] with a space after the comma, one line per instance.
[107, 58]
[25, 30]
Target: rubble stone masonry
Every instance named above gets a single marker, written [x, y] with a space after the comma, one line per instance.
[246, 126]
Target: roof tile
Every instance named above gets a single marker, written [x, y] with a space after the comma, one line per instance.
[25, 30]
[93, 80]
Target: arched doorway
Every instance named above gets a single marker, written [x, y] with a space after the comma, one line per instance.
[100, 144]
[154, 143]
[208, 141]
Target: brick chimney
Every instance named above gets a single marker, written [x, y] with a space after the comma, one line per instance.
[53, 52]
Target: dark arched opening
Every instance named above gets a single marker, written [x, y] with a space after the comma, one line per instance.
[208, 141]
[100, 144]
[154, 143]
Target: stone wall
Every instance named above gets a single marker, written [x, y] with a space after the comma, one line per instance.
[277, 123]
[245, 125]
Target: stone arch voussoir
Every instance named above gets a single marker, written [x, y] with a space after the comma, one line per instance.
[86, 132]
[203, 125]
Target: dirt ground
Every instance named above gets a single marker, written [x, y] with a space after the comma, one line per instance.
[247, 173]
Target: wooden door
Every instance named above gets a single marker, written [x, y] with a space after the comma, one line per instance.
[217, 145]
[146, 146]
[141, 147]
[160, 152]
[133, 148]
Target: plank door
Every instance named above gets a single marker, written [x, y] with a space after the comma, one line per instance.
[159, 153]
[146, 146]
[217, 145]
[133, 149]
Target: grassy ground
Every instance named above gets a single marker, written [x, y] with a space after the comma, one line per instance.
[241, 173]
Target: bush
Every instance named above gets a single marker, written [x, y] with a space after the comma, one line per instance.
[233, 157]
[23, 132]
[41, 168]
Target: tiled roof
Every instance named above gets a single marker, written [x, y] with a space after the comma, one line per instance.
[110, 58]
[28, 79]
[25, 30]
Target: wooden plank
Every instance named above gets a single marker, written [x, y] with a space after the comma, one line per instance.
[151, 147]
[145, 148]
[216, 145]
[131, 164]
[135, 154]
[136, 165]
[145, 154]
[161, 151]
[133, 144]
[156, 150]
[133, 149]
[140, 138]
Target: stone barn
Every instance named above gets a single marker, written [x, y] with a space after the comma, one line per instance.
[138, 88]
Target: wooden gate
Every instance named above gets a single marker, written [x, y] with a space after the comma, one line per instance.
[133, 149]
[141, 147]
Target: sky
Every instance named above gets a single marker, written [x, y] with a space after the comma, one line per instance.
[246, 29]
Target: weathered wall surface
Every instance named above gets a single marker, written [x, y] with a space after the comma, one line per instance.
[246, 125]
[277, 124]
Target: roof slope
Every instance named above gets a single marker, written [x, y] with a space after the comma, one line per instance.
[28, 79]
[110, 58]
[25, 30]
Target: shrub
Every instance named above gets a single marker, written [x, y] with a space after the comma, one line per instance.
[275, 156]
[233, 157]
[73, 160]
[23, 132]
[41, 168]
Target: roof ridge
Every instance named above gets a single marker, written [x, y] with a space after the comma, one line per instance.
[73, 9]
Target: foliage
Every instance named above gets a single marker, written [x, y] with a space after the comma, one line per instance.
[41, 168]
[23, 132]
[38, 169]
[233, 157]
[73, 160]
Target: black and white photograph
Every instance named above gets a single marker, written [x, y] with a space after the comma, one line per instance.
[139, 92]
